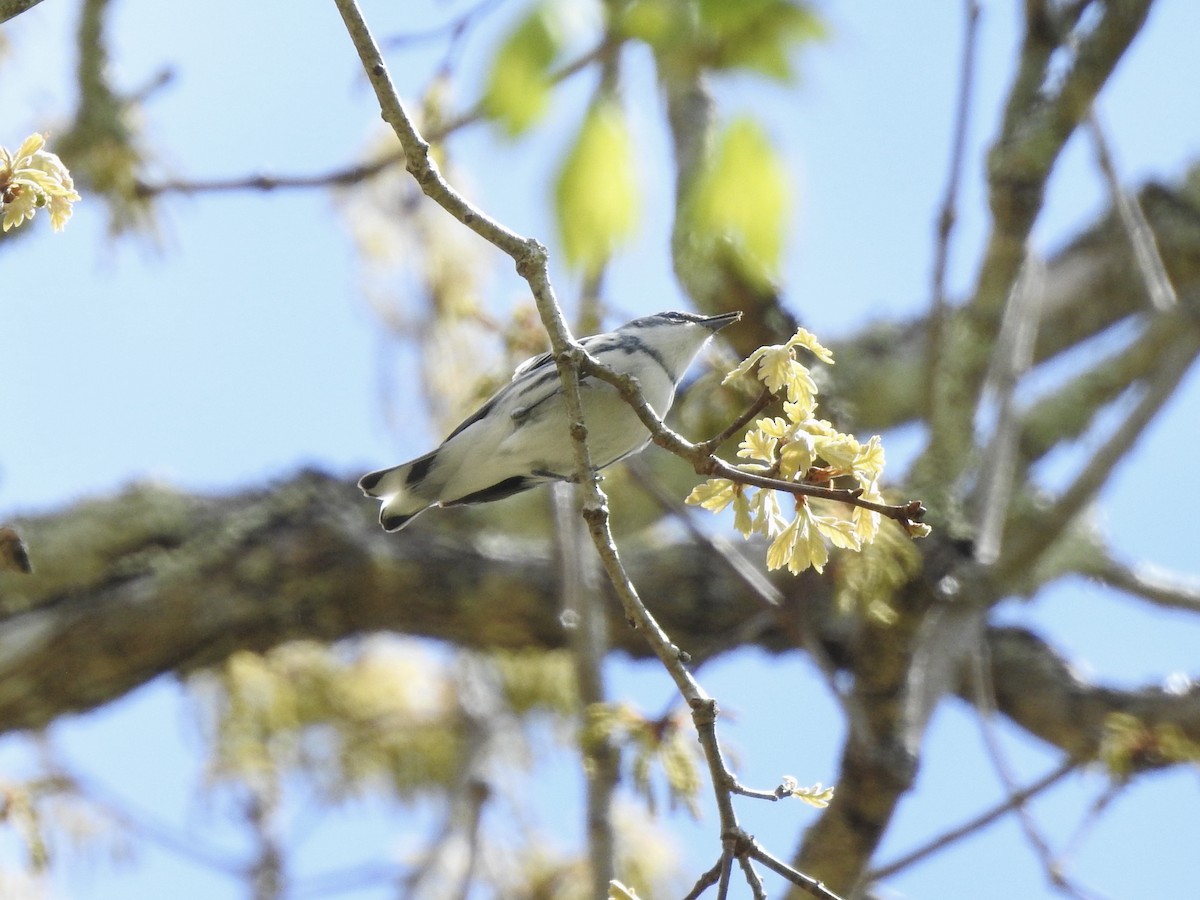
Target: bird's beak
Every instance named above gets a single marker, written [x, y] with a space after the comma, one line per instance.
[716, 323]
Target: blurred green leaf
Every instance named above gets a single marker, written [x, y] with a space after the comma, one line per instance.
[757, 34]
[754, 35]
[596, 197]
[518, 87]
[741, 198]
[657, 22]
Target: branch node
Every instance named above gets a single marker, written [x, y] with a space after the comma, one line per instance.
[704, 711]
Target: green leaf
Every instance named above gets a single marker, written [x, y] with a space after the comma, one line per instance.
[757, 34]
[754, 35]
[742, 197]
[657, 22]
[596, 197]
[518, 87]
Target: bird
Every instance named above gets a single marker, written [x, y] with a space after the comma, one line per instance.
[519, 439]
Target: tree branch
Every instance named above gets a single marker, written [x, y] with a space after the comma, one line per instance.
[531, 262]
[1042, 112]
[11, 8]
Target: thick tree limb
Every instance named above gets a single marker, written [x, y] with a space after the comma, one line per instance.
[11, 8]
[153, 581]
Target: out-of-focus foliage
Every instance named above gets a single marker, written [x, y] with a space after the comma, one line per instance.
[755, 35]
[1131, 746]
[387, 715]
[517, 93]
[645, 855]
[48, 819]
[738, 205]
[667, 743]
[103, 145]
[865, 582]
[740, 201]
[424, 276]
[596, 196]
[535, 681]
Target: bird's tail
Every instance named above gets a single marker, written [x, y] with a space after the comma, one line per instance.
[399, 491]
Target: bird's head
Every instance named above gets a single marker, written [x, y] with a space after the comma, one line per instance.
[676, 337]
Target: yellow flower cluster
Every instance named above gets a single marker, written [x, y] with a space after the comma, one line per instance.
[797, 447]
[31, 179]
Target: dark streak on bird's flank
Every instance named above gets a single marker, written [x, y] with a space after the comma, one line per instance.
[506, 488]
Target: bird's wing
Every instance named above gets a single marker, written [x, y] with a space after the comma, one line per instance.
[534, 362]
[538, 375]
[535, 378]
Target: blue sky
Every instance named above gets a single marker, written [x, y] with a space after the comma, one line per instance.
[241, 349]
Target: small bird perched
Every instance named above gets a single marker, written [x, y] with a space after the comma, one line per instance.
[519, 438]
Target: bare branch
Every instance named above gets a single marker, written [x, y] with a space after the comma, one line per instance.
[11, 8]
[1039, 535]
[1141, 238]
[1042, 111]
[1011, 358]
[985, 706]
[1067, 413]
[1165, 589]
[531, 262]
[974, 824]
[345, 176]
[586, 627]
[705, 881]
[949, 210]
[794, 876]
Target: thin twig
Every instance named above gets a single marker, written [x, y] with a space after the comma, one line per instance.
[531, 261]
[1012, 355]
[794, 876]
[263, 182]
[451, 28]
[148, 826]
[358, 172]
[749, 574]
[742, 791]
[984, 695]
[1023, 552]
[974, 824]
[757, 891]
[587, 638]
[705, 881]
[726, 872]
[1149, 261]
[948, 215]
[714, 443]
[1165, 589]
